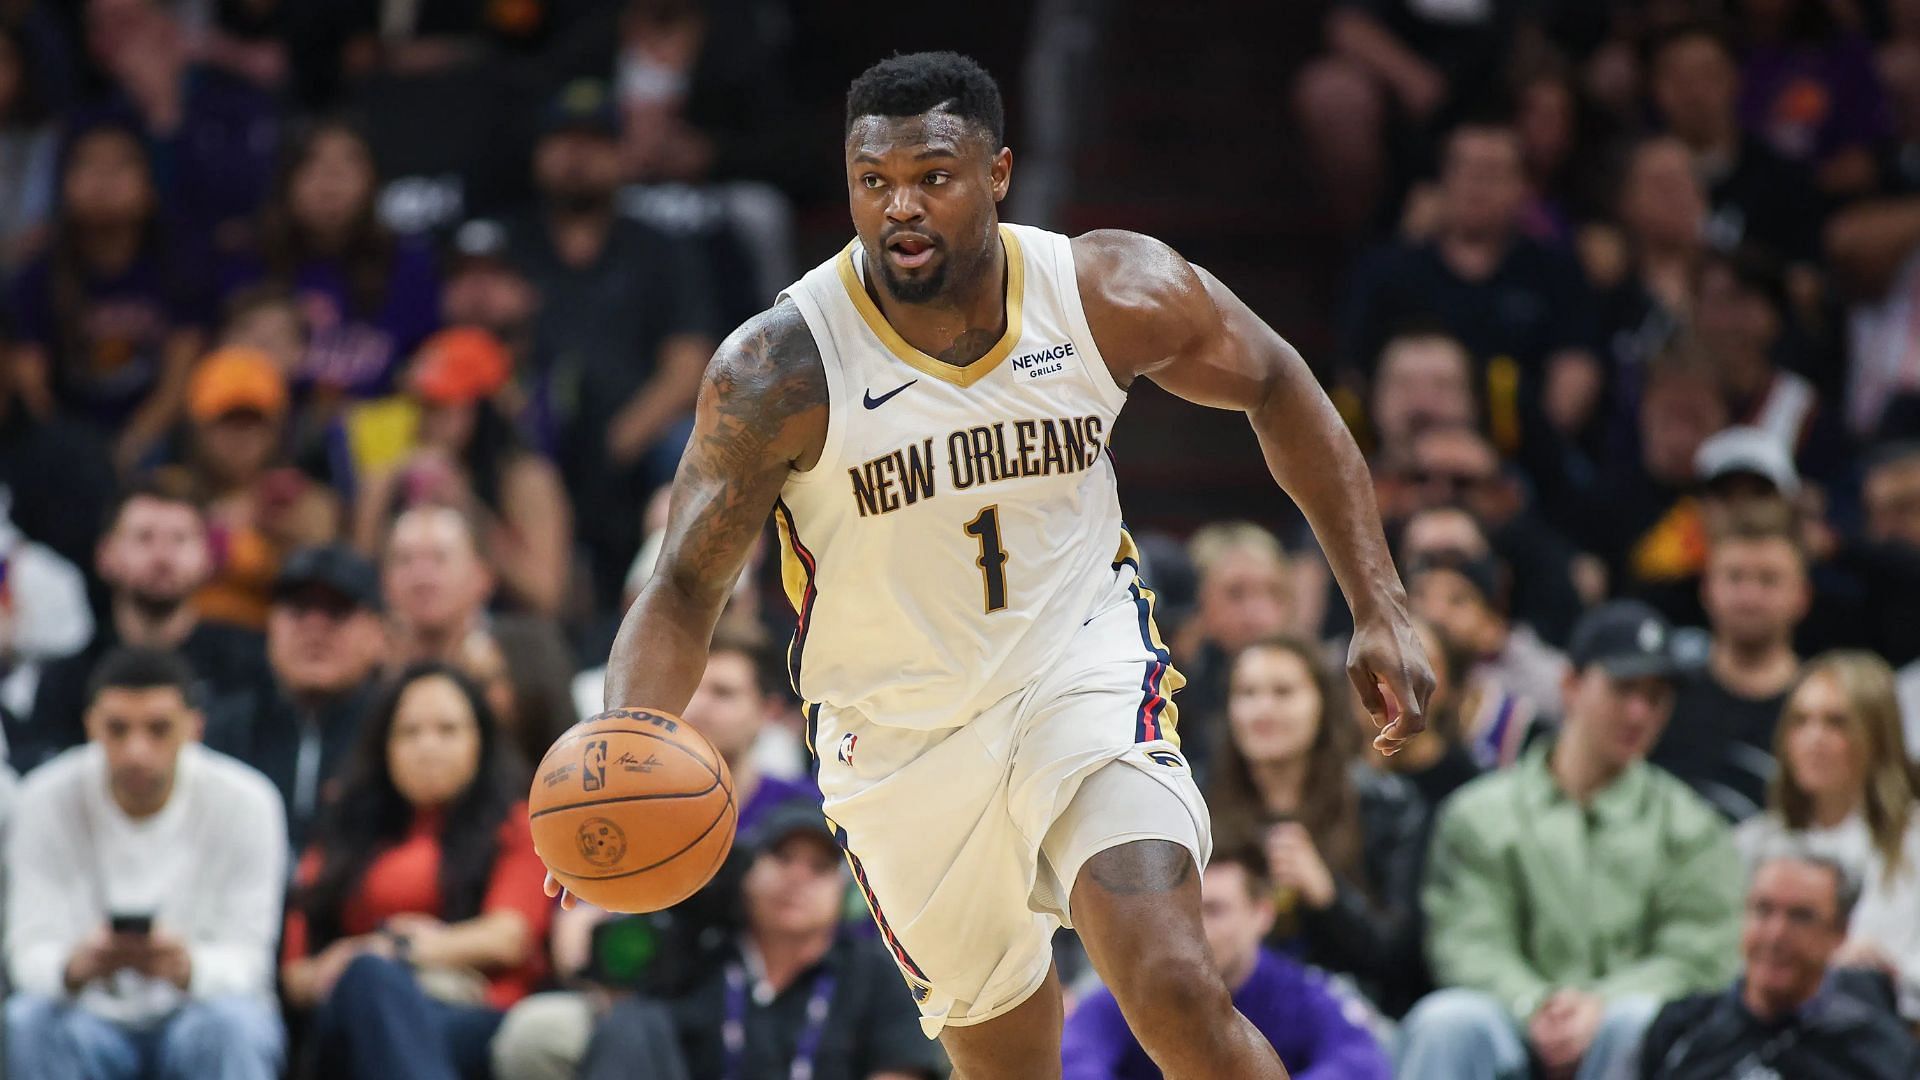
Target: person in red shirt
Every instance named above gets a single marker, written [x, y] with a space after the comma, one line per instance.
[418, 915]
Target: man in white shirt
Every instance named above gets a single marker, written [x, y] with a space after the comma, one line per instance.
[144, 896]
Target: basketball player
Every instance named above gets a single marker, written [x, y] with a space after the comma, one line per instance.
[926, 416]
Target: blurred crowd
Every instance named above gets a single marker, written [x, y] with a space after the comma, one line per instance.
[348, 348]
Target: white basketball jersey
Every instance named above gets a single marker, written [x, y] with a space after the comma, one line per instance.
[962, 522]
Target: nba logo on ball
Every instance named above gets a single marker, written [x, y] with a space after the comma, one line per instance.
[593, 766]
[846, 748]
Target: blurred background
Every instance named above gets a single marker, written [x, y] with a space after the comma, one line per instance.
[348, 348]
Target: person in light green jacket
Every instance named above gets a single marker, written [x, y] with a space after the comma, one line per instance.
[1570, 895]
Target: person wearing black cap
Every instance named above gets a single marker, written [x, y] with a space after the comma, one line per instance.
[795, 993]
[625, 325]
[1569, 895]
[325, 642]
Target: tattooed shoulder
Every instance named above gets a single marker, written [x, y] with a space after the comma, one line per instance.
[768, 373]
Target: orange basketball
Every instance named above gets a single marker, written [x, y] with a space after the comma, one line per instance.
[632, 810]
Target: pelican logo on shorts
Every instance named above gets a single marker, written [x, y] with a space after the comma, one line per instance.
[602, 843]
[845, 753]
[1166, 757]
[593, 766]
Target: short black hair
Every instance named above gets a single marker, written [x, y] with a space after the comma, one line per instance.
[1702, 29]
[132, 668]
[913, 83]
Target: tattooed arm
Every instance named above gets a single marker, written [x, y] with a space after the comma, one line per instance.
[762, 412]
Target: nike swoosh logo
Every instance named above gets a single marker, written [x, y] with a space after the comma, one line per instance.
[872, 402]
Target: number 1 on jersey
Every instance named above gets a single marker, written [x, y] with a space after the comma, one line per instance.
[992, 562]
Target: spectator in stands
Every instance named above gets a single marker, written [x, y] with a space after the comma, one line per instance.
[1646, 292]
[1245, 595]
[548, 1036]
[1755, 592]
[1887, 557]
[625, 315]
[523, 665]
[370, 298]
[1343, 842]
[485, 289]
[324, 645]
[1392, 65]
[1809, 89]
[436, 583]
[28, 154]
[1641, 520]
[216, 133]
[1434, 761]
[467, 455]
[144, 879]
[1459, 467]
[1521, 309]
[53, 469]
[1422, 380]
[1845, 790]
[1754, 195]
[1783, 1017]
[1871, 249]
[154, 559]
[830, 998]
[1314, 1031]
[1742, 313]
[1513, 678]
[109, 319]
[1528, 971]
[44, 615]
[418, 916]
[259, 507]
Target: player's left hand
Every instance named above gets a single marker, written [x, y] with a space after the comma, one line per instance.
[1390, 670]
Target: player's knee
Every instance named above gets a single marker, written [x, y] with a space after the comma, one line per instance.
[544, 1037]
[1177, 989]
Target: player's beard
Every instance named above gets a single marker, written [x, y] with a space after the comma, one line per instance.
[914, 290]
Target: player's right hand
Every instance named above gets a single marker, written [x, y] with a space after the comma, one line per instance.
[554, 888]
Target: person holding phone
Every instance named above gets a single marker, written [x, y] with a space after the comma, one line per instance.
[145, 881]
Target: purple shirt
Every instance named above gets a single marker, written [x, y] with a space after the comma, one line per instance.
[351, 348]
[771, 792]
[1293, 1007]
[107, 356]
[1810, 101]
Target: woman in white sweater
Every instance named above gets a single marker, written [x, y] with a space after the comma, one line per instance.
[1846, 791]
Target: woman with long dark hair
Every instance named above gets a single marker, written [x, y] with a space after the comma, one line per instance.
[1344, 842]
[370, 297]
[109, 326]
[418, 915]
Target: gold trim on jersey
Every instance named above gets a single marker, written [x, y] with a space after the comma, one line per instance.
[959, 375]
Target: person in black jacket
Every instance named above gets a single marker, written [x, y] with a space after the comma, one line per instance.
[1344, 842]
[324, 644]
[1787, 1016]
[154, 557]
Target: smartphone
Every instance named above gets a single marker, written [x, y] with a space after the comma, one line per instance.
[135, 925]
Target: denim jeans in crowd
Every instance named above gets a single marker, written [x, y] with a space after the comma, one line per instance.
[224, 1038]
[1467, 1035]
[379, 1025]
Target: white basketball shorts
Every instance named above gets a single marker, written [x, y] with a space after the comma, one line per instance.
[966, 841]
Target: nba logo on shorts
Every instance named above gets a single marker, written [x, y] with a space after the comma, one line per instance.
[845, 753]
[593, 766]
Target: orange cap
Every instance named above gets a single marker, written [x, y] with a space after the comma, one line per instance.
[234, 378]
[459, 365]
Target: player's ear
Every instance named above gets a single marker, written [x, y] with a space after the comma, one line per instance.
[1000, 171]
